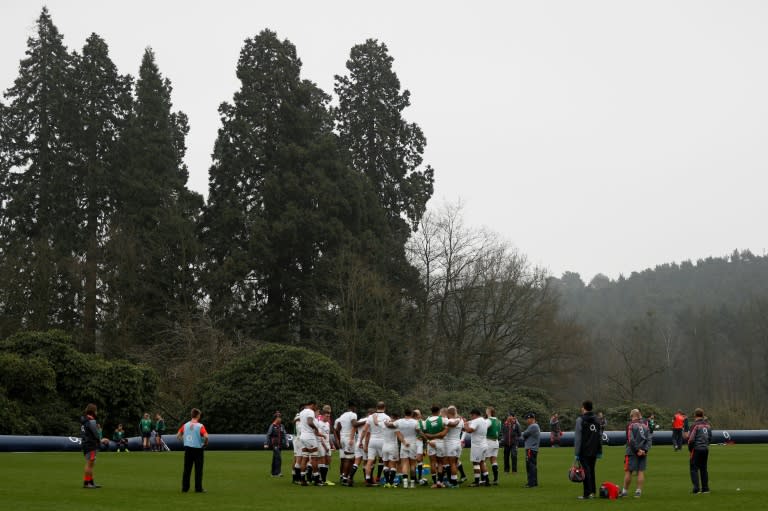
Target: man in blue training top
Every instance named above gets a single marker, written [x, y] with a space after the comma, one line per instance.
[195, 440]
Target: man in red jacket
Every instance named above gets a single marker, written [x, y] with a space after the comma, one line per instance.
[677, 430]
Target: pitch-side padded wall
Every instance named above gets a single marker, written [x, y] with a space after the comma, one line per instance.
[14, 443]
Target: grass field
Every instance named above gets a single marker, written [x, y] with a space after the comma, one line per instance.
[240, 480]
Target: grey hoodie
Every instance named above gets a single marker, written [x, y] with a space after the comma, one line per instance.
[531, 436]
[637, 437]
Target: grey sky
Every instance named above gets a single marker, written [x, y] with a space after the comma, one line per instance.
[597, 136]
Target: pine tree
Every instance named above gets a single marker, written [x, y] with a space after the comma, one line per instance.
[386, 151]
[152, 243]
[38, 190]
[103, 105]
[280, 201]
[380, 143]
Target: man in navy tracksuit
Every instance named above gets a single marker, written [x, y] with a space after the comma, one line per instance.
[276, 439]
[531, 437]
[510, 436]
[588, 446]
[698, 446]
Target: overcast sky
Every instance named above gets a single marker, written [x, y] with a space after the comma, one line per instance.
[596, 136]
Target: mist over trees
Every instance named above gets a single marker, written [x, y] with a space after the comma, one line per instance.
[318, 247]
[678, 335]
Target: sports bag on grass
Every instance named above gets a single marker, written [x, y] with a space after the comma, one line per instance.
[576, 473]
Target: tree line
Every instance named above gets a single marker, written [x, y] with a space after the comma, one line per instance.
[315, 244]
[679, 335]
[315, 232]
[101, 237]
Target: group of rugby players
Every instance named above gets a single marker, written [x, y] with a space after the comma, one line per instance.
[398, 444]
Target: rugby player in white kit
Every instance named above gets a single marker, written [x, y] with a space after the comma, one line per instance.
[374, 441]
[477, 427]
[452, 443]
[344, 429]
[409, 447]
[310, 441]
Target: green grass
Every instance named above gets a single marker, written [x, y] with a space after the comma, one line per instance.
[240, 480]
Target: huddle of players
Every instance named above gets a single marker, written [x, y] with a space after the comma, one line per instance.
[399, 445]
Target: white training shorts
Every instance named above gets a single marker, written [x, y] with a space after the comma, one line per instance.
[389, 452]
[438, 449]
[309, 445]
[375, 448]
[360, 452]
[492, 450]
[297, 445]
[453, 449]
[477, 453]
[410, 451]
[347, 451]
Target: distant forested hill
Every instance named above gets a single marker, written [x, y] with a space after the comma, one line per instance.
[689, 334]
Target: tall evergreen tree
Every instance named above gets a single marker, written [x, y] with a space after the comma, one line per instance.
[152, 242]
[38, 206]
[280, 202]
[380, 143]
[103, 106]
[386, 151]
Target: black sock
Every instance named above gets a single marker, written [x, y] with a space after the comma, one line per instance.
[495, 469]
[379, 470]
[460, 468]
[419, 470]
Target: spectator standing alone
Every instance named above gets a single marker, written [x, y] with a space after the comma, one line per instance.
[588, 447]
[555, 431]
[531, 437]
[677, 430]
[195, 440]
[276, 440]
[602, 421]
[698, 446]
[510, 436]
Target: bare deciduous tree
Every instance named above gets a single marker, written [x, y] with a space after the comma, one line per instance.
[486, 311]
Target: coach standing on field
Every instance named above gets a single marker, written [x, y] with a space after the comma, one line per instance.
[587, 446]
[531, 437]
[195, 440]
[277, 439]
